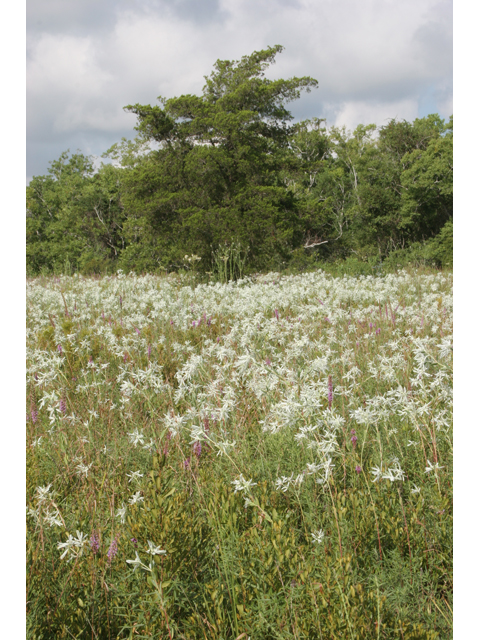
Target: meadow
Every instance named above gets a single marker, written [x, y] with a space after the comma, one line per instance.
[269, 458]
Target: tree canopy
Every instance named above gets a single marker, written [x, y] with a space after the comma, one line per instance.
[231, 167]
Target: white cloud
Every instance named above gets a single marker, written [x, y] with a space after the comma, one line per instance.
[374, 60]
[352, 113]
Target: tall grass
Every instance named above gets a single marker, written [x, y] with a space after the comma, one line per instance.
[286, 441]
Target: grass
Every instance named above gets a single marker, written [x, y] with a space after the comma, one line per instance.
[285, 440]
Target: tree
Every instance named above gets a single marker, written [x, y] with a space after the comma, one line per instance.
[427, 181]
[216, 175]
[74, 214]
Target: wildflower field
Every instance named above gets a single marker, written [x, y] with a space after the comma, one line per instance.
[268, 459]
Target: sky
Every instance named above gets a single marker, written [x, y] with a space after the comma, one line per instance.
[374, 60]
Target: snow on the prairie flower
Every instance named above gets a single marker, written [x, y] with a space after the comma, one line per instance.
[318, 536]
[136, 437]
[73, 547]
[243, 485]
[284, 349]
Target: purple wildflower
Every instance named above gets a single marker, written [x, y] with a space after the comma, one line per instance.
[197, 448]
[276, 314]
[34, 416]
[165, 448]
[95, 542]
[330, 392]
[353, 440]
[112, 549]
[62, 405]
[358, 469]
[268, 362]
[134, 541]
[137, 330]
[377, 331]
[59, 347]
[186, 463]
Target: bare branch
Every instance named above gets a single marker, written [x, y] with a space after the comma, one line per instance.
[313, 242]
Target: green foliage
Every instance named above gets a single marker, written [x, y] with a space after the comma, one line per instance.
[239, 561]
[437, 252]
[228, 168]
[427, 181]
[232, 569]
[440, 248]
[215, 176]
[229, 262]
[74, 217]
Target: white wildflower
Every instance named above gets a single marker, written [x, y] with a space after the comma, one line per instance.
[136, 563]
[153, 550]
[223, 447]
[73, 546]
[137, 497]
[432, 467]
[136, 437]
[150, 446]
[318, 536]
[377, 473]
[135, 475]
[83, 469]
[53, 518]
[121, 513]
[243, 485]
[283, 483]
[313, 468]
[43, 493]
[197, 434]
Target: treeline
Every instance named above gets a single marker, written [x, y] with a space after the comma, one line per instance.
[226, 177]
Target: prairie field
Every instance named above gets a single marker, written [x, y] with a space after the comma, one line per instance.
[269, 458]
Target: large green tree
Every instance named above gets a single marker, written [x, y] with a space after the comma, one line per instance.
[216, 175]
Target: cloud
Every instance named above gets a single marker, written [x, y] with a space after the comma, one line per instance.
[86, 60]
[354, 112]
